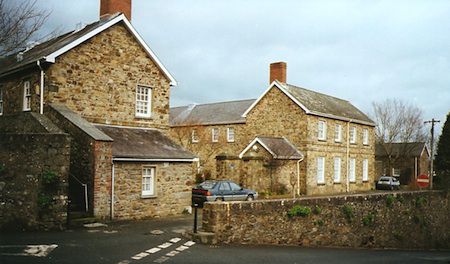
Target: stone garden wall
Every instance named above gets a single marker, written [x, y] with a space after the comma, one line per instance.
[387, 220]
[34, 172]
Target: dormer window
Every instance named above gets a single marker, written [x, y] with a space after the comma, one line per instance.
[26, 95]
[143, 101]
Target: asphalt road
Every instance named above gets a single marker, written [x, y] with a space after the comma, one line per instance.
[160, 241]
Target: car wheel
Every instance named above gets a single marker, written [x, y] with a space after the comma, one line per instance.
[220, 199]
[250, 198]
[392, 188]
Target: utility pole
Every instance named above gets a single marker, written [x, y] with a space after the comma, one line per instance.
[432, 121]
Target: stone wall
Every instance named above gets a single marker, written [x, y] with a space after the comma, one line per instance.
[26, 200]
[90, 163]
[172, 190]
[98, 80]
[385, 220]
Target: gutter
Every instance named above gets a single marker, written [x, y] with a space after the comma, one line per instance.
[112, 190]
[155, 160]
[347, 186]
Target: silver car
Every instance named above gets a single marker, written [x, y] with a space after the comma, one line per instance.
[388, 183]
[220, 190]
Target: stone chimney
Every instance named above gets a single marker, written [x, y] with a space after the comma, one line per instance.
[278, 72]
[109, 7]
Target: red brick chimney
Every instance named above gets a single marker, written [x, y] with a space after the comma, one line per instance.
[109, 7]
[278, 72]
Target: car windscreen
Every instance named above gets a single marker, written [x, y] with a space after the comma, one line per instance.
[384, 179]
[207, 185]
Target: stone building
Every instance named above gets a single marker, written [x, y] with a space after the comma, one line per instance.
[406, 161]
[334, 138]
[103, 87]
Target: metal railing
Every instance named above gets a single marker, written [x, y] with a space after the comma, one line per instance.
[84, 185]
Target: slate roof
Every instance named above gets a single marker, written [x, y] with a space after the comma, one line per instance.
[278, 147]
[137, 143]
[38, 52]
[413, 149]
[80, 122]
[323, 105]
[209, 114]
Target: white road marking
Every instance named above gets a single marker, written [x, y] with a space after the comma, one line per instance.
[124, 262]
[165, 245]
[153, 250]
[181, 248]
[172, 253]
[189, 243]
[161, 259]
[140, 255]
[31, 250]
[175, 240]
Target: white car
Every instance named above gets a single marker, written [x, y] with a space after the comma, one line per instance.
[388, 183]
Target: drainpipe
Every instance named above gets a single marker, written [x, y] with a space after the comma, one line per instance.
[415, 168]
[298, 177]
[41, 105]
[348, 156]
[112, 191]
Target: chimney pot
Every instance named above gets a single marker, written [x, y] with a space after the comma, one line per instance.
[278, 72]
[109, 7]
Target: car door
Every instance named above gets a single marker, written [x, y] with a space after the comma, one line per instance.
[225, 192]
[238, 192]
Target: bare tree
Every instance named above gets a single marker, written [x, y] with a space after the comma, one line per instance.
[18, 24]
[397, 122]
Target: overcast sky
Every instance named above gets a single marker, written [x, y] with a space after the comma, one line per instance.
[361, 51]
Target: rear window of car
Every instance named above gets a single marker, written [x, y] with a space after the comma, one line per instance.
[207, 185]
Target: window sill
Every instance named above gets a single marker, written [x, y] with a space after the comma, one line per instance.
[143, 117]
[230, 141]
[148, 196]
[337, 182]
[322, 139]
[338, 141]
[365, 181]
[353, 182]
[320, 184]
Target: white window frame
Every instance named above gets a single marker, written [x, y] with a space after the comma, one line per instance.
[338, 133]
[230, 134]
[215, 134]
[148, 182]
[337, 169]
[394, 172]
[365, 170]
[194, 136]
[366, 136]
[143, 101]
[1, 100]
[26, 95]
[352, 170]
[322, 130]
[320, 170]
[352, 134]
